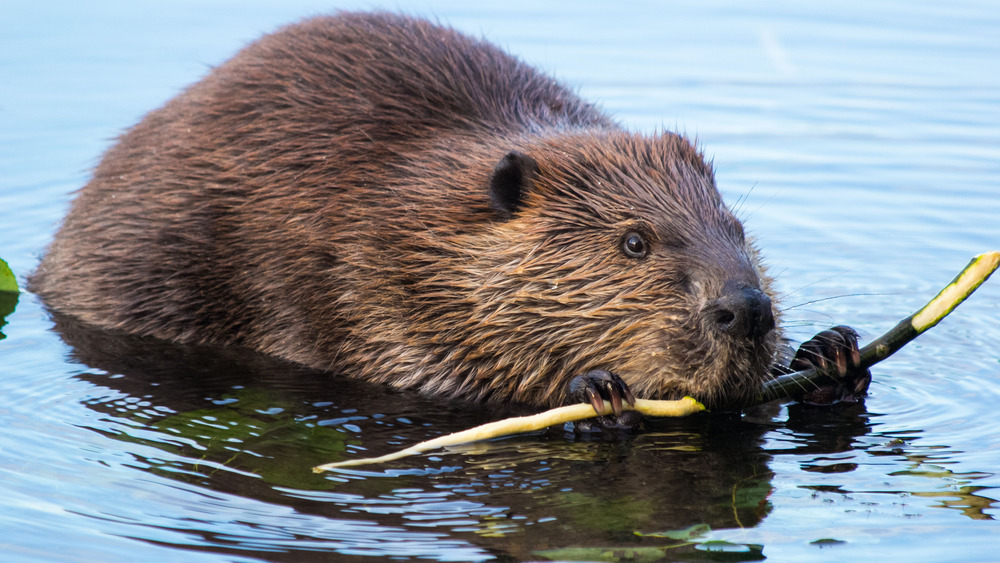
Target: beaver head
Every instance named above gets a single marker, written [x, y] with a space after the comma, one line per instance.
[606, 250]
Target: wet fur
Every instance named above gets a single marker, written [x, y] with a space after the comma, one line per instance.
[323, 197]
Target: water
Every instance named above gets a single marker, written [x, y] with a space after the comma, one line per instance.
[860, 142]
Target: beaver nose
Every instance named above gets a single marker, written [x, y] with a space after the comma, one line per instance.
[742, 312]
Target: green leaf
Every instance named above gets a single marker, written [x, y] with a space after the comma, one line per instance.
[7, 280]
[827, 542]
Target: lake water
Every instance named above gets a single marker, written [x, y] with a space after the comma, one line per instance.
[860, 142]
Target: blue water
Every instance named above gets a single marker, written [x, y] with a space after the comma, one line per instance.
[860, 142]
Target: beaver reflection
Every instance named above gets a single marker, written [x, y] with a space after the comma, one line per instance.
[705, 470]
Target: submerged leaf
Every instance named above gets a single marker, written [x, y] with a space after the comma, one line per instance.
[714, 550]
[687, 534]
[604, 554]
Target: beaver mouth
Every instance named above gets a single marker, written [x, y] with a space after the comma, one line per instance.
[711, 366]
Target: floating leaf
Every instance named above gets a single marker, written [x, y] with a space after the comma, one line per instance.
[8, 283]
[8, 294]
[827, 542]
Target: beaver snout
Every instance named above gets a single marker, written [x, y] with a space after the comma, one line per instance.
[741, 312]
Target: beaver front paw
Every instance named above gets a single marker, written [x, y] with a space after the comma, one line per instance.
[596, 387]
[835, 349]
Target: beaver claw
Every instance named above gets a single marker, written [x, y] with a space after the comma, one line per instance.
[835, 348]
[596, 387]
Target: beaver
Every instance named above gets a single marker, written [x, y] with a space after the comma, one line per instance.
[385, 197]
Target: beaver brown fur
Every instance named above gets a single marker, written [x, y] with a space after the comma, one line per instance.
[381, 196]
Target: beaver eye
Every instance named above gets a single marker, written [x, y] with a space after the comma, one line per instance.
[634, 245]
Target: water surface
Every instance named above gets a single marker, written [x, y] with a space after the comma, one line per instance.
[860, 142]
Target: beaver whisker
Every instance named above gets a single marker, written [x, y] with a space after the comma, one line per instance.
[832, 297]
[743, 198]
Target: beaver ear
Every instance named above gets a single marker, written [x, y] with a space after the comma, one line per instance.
[512, 178]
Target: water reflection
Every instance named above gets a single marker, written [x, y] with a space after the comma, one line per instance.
[236, 423]
[8, 302]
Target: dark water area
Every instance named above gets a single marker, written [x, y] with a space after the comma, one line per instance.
[860, 143]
